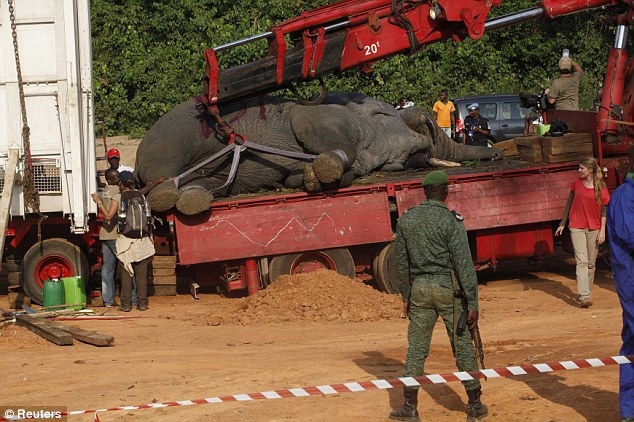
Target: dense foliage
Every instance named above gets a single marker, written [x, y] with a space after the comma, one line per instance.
[148, 55]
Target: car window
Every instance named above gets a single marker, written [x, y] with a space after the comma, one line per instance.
[489, 110]
[512, 110]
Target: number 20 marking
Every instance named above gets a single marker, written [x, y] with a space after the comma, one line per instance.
[372, 48]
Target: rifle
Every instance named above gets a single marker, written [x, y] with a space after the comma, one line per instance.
[475, 330]
[477, 343]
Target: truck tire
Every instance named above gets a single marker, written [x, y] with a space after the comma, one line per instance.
[51, 258]
[384, 267]
[339, 260]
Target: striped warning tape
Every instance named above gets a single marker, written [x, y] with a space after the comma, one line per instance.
[354, 387]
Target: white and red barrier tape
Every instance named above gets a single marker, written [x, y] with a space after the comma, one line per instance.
[355, 387]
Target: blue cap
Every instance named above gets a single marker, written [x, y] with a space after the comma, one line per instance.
[472, 106]
[125, 176]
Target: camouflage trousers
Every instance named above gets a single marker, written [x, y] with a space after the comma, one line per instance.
[429, 300]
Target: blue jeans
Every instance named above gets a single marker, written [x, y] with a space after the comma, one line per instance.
[133, 290]
[108, 270]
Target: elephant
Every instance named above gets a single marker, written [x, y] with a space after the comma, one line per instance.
[328, 145]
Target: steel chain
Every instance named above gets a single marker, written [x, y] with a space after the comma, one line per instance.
[31, 195]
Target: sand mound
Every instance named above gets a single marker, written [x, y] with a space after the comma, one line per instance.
[322, 295]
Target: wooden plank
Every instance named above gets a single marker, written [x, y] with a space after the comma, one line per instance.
[567, 139]
[163, 262]
[85, 336]
[160, 272]
[529, 141]
[165, 279]
[165, 258]
[568, 148]
[42, 328]
[532, 154]
[508, 147]
[162, 290]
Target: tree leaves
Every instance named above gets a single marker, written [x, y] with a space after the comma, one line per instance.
[148, 55]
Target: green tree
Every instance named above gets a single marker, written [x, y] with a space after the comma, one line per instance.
[148, 55]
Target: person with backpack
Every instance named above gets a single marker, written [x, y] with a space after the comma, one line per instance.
[135, 248]
[108, 204]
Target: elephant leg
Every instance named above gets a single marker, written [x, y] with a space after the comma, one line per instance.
[329, 166]
[164, 196]
[311, 182]
[194, 200]
[295, 179]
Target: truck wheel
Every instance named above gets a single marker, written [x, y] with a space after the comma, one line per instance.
[53, 258]
[384, 266]
[339, 260]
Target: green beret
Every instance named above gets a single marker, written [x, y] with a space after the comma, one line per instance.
[436, 177]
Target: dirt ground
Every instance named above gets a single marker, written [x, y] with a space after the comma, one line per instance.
[325, 329]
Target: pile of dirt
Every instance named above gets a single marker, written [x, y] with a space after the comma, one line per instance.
[321, 295]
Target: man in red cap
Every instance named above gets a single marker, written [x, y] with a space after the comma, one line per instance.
[114, 160]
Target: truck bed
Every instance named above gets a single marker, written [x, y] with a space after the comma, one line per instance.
[491, 195]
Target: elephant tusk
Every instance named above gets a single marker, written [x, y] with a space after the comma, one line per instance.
[437, 162]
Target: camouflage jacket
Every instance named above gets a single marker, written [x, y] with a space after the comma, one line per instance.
[426, 238]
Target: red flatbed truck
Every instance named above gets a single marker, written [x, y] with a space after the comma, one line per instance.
[510, 210]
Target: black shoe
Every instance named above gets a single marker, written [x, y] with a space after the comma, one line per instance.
[477, 411]
[407, 413]
[124, 308]
[142, 307]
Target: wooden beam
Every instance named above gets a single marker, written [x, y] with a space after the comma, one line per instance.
[43, 329]
[90, 337]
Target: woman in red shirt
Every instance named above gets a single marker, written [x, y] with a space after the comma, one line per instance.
[586, 208]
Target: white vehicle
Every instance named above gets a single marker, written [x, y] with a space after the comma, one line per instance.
[46, 85]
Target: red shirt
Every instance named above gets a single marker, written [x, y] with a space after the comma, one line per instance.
[584, 212]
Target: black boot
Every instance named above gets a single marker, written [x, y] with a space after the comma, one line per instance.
[477, 411]
[141, 304]
[408, 411]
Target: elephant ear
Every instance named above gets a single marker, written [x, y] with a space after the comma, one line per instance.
[419, 121]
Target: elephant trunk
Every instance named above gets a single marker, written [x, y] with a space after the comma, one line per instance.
[453, 151]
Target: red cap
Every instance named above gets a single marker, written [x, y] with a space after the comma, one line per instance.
[113, 153]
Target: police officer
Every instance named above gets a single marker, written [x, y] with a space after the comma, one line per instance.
[477, 127]
[431, 240]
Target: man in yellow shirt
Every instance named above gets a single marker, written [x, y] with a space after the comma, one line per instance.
[444, 114]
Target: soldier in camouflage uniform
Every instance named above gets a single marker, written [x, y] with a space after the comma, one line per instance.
[428, 237]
